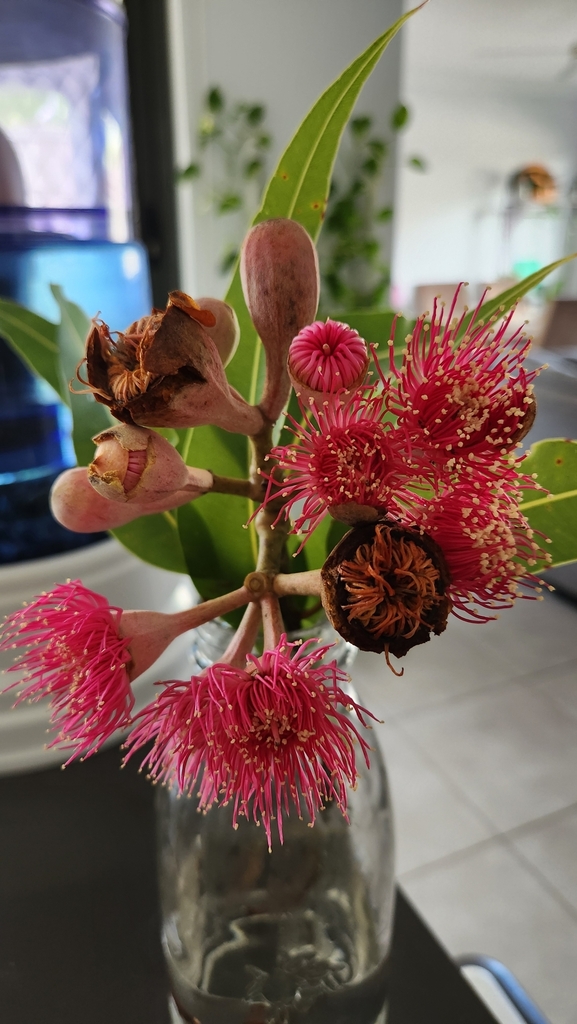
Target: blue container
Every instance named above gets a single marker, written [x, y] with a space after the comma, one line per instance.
[65, 218]
[64, 112]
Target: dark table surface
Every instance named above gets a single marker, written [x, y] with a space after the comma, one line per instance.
[79, 922]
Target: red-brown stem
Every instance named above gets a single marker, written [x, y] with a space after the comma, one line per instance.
[234, 485]
[276, 390]
[243, 640]
[207, 610]
[304, 584]
[273, 625]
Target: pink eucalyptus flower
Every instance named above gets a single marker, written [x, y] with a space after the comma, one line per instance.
[345, 460]
[267, 737]
[76, 657]
[468, 398]
[327, 357]
[488, 546]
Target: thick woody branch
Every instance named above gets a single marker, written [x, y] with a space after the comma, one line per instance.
[272, 539]
[261, 445]
[303, 584]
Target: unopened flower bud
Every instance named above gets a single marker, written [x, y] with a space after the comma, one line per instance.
[280, 281]
[135, 464]
[76, 505]
[384, 588]
[226, 331]
[326, 357]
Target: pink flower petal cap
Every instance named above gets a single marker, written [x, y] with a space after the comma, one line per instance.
[326, 357]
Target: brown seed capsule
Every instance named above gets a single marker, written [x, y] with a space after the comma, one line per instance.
[280, 281]
[384, 588]
[166, 371]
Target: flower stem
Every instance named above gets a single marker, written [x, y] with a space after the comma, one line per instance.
[273, 625]
[243, 640]
[207, 610]
[299, 583]
[233, 485]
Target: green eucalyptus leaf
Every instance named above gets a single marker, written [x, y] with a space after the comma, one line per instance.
[215, 560]
[34, 339]
[300, 184]
[154, 539]
[554, 463]
[322, 541]
[507, 299]
[215, 523]
[89, 417]
[316, 548]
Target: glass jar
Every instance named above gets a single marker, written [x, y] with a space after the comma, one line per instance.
[301, 934]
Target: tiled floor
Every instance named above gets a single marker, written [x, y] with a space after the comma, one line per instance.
[480, 738]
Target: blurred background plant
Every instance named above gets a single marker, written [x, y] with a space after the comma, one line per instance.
[236, 141]
[354, 274]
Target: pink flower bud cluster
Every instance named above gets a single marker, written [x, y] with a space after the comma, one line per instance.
[429, 445]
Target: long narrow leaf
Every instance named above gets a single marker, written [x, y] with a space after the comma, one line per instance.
[554, 462]
[507, 299]
[34, 339]
[89, 417]
[154, 539]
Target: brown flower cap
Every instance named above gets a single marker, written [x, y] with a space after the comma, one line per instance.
[135, 373]
[384, 588]
[166, 371]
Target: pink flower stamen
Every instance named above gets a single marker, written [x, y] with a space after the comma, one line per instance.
[268, 738]
[344, 452]
[77, 658]
[463, 397]
[488, 545]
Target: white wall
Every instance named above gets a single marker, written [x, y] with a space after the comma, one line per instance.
[281, 52]
[485, 83]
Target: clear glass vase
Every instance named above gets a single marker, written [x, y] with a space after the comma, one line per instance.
[297, 936]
